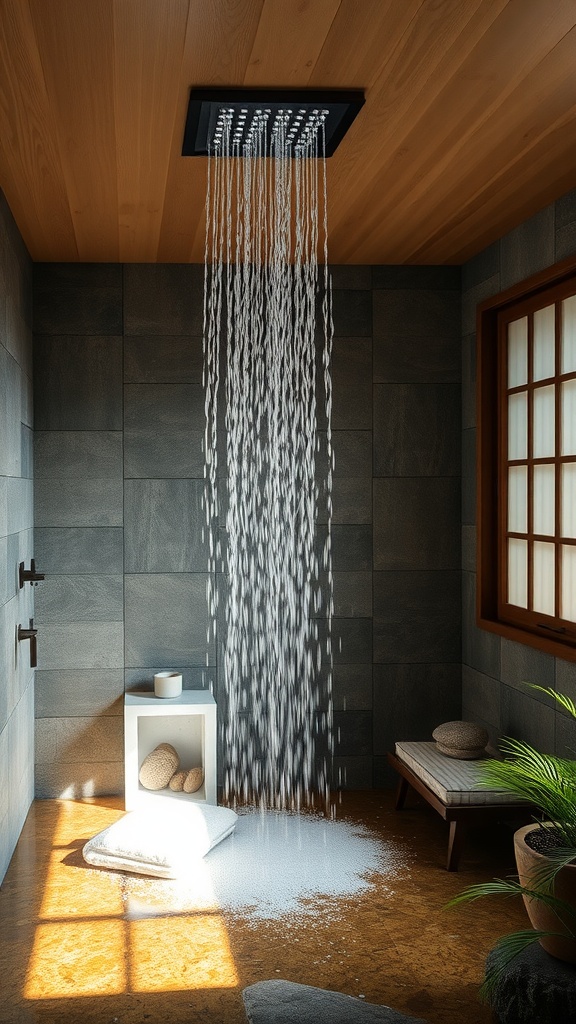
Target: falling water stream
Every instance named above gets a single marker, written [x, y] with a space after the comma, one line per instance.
[268, 455]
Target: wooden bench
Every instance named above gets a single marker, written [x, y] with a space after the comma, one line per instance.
[452, 787]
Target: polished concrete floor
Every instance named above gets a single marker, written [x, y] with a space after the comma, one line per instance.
[74, 948]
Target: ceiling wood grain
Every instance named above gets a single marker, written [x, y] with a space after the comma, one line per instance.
[468, 128]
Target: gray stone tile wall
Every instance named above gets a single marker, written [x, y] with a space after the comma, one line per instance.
[16, 605]
[496, 672]
[119, 467]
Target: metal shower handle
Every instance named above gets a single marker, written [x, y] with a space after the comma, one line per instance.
[30, 634]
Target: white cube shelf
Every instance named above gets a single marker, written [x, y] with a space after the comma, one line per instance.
[188, 722]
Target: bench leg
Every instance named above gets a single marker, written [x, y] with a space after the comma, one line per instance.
[401, 793]
[455, 844]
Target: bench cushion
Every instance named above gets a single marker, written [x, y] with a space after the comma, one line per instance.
[454, 782]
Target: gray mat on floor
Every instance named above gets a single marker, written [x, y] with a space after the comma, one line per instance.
[284, 1002]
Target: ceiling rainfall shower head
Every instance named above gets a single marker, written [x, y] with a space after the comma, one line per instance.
[300, 112]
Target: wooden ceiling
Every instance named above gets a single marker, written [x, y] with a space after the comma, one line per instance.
[469, 124]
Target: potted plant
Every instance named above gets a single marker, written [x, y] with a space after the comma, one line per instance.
[545, 851]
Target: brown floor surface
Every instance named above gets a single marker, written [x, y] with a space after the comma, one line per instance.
[73, 948]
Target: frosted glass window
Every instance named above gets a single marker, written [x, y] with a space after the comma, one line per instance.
[543, 509]
[568, 417]
[568, 609]
[568, 528]
[543, 578]
[517, 499]
[517, 426]
[518, 352]
[543, 423]
[543, 355]
[568, 338]
[518, 572]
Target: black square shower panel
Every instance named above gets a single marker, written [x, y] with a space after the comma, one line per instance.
[299, 111]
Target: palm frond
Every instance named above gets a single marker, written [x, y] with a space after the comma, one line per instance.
[565, 702]
[507, 948]
[508, 887]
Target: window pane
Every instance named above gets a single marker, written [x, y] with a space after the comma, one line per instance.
[543, 498]
[517, 572]
[517, 426]
[568, 528]
[568, 416]
[518, 352]
[543, 363]
[543, 578]
[517, 499]
[568, 339]
[568, 610]
[544, 435]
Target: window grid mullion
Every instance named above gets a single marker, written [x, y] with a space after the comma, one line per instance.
[530, 466]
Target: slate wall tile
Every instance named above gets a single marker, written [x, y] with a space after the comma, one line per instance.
[77, 383]
[482, 267]
[77, 781]
[352, 454]
[79, 550]
[469, 548]
[566, 678]
[411, 700]
[523, 717]
[80, 599]
[352, 733]
[81, 645]
[90, 454]
[351, 641]
[473, 296]
[351, 546]
[82, 693]
[351, 361]
[352, 313]
[352, 687]
[353, 594]
[469, 381]
[163, 360]
[351, 501]
[417, 430]
[521, 665]
[416, 336]
[417, 617]
[352, 772]
[469, 477]
[166, 619]
[164, 526]
[350, 276]
[565, 226]
[352, 407]
[77, 502]
[163, 430]
[417, 523]
[528, 248]
[416, 278]
[77, 298]
[163, 298]
[481, 696]
[480, 649]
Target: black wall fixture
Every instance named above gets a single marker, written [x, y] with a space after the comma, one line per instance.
[299, 108]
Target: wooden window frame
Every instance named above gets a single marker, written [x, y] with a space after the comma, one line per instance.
[490, 502]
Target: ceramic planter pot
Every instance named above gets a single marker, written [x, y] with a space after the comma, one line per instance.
[542, 918]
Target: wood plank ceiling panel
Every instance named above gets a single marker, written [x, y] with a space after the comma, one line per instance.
[288, 42]
[30, 169]
[146, 87]
[219, 39]
[438, 40]
[468, 124]
[76, 42]
[440, 160]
